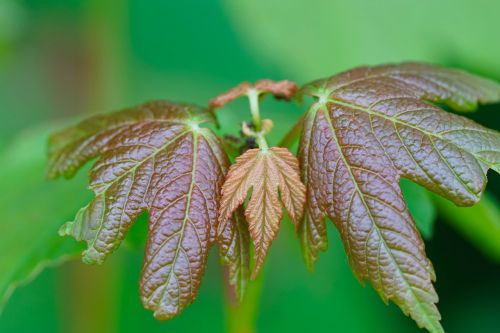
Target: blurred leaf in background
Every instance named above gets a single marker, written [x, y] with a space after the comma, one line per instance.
[11, 25]
[317, 38]
[32, 211]
[480, 224]
[421, 207]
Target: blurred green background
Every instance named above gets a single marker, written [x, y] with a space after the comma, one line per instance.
[63, 59]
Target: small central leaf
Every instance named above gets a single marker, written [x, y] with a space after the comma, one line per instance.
[270, 174]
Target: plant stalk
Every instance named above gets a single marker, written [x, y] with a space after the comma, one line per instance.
[261, 141]
[257, 133]
[241, 318]
[253, 98]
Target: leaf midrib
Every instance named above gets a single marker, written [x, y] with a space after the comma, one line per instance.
[184, 222]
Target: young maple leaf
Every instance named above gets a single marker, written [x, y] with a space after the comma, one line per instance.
[371, 126]
[234, 248]
[270, 174]
[279, 89]
[154, 157]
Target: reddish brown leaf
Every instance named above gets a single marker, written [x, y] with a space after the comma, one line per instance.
[279, 89]
[266, 173]
[369, 127]
[234, 247]
[154, 157]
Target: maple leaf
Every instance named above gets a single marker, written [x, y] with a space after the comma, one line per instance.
[369, 127]
[154, 157]
[270, 174]
[234, 248]
[279, 89]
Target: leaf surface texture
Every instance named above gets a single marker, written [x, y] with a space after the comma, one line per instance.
[369, 127]
[270, 175]
[234, 245]
[154, 157]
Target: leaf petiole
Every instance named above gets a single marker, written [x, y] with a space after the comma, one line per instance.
[253, 98]
[259, 132]
[261, 141]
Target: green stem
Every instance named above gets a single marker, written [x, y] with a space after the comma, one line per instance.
[253, 98]
[241, 318]
[293, 135]
[261, 141]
